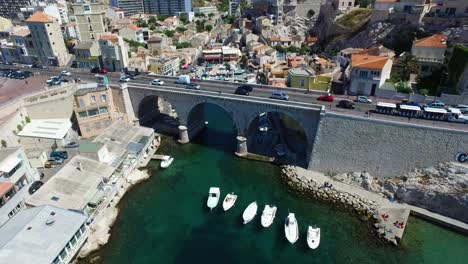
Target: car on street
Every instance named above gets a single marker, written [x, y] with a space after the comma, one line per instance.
[55, 160]
[28, 66]
[463, 108]
[35, 186]
[241, 91]
[124, 79]
[363, 100]
[157, 82]
[194, 86]
[435, 104]
[51, 79]
[103, 71]
[39, 66]
[59, 154]
[326, 98]
[95, 70]
[72, 144]
[65, 73]
[345, 103]
[279, 96]
[246, 87]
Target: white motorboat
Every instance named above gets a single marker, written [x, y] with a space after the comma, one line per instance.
[313, 237]
[250, 212]
[213, 197]
[166, 161]
[291, 228]
[229, 201]
[268, 215]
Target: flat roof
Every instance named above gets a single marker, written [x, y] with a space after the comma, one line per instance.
[28, 238]
[390, 105]
[73, 186]
[435, 110]
[410, 107]
[6, 152]
[46, 128]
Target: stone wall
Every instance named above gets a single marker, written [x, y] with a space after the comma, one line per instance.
[382, 148]
[56, 103]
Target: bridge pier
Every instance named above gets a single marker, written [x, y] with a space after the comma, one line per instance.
[183, 135]
[241, 146]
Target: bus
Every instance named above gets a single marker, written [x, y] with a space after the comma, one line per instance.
[386, 108]
[409, 110]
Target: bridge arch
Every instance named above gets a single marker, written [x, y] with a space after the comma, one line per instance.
[157, 112]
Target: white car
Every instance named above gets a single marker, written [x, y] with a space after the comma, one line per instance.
[65, 73]
[364, 100]
[279, 96]
[51, 79]
[124, 79]
[157, 82]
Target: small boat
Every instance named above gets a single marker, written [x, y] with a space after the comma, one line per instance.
[291, 229]
[268, 215]
[213, 197]
[313, 237]
[229, 201]
[250, 212]
[166, 161]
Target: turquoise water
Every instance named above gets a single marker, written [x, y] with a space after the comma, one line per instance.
[165, 220]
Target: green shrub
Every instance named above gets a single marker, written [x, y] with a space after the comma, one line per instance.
[4, 143]
[27, 119]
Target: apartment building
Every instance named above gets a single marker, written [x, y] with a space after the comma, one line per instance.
[16, 175]
[94, 109]
[430, 52]
[11, 8]
[90, 19]
[167, 7]
[164, 66]
[47, 39]
[368, 73]
[114, 52]
[131, 7]
[132, 32]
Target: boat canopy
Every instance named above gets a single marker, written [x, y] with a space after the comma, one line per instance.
[435, 110]
[410, 107]
[388, 105]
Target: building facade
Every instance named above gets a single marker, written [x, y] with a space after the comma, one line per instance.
[47, 39]
[131, 7]
[132, 32]
[430, 52]
[94, 110]
[16, 175]
[368, 73]
[10, 8]
[90, 19]
[167, 7]
[114, 52]
[86, 55]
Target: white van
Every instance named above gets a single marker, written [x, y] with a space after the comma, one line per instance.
[183, 79]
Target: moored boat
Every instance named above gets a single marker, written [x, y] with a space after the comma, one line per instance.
[268, 215]
[250, 212]
[213, 197]
[313, 237]
[229, 201]
[166, 161]
[291, 228]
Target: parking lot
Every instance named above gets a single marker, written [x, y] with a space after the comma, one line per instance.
[11, 88]
[49, 172]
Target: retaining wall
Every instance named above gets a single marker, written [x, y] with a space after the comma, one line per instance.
[382, 148]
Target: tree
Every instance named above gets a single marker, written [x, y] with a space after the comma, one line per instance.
[208, 28]
[280, 49]
[182, 45]
[183, 18]
[4, 143]
[402, 87]
[404, 39]
[432, 81]
[244, 5]
[27, 119]
[310, 13]
[152, 19]
[155, 53]
[19, 127]
[211, 15]
[403, 68]
[161, 17]
[169, 33]
[180, 29]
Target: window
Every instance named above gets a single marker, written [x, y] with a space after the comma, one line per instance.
[349, 3]
[82, 114]
[92, 112]
[89, 19]
[92, 36]
[103, 110]
[86, 8]
[103, 98]
[50, 34]
[302, 82]
[63, 254]
[81, 101]
[90, 27]
[363, 73]
[93, 99]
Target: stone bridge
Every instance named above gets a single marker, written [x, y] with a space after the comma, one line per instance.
[242, 109]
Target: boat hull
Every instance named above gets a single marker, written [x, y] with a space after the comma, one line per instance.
[250, 212]
[291, 229]
[268, 215]
[229, 201]
[313, 237]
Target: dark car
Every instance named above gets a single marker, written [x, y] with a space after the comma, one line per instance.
[95, 70]
[346, 104]
[55, 161]
[241, 91]
[59, 154]
[248, 88]
[35, 186]
[71, 145]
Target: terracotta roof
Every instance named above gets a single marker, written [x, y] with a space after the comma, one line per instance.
[23, 32]
[311, 39]
[133, 27]
[434, 41]
[368, 61]
[5, 187]
[276, 38]
[41, 17]
[109, 37]
[154, 40]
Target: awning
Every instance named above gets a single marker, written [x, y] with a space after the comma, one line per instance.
[8, 164]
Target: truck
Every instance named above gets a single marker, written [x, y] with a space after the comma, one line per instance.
[183, 79]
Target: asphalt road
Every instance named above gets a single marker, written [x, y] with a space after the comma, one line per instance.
[264, 91]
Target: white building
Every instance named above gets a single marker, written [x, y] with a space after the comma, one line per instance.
[90, 19]
[430, 52]
[16, 175]
[42, 235]
[368, 73]
[115, 13]
[132, 32]
[47, 133]
[114, 52]
[344, 5]
[58, 11]
[205, 10]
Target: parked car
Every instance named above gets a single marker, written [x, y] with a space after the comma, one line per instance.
[194, 86]
[51, 79]
[39, 66]
[157, 82]
[363, 100]
[95, 70]
[463, 108]
[65, 73]
[183, 79]
[35, 186]
[435, 104]
[326, 98]
[124, 79]
[348, 104]
[246, 87]
[241, 91]
[28, 66]
[59, 154]
[103, 71]
[279, 96]
[55, 160]
[71, 145]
